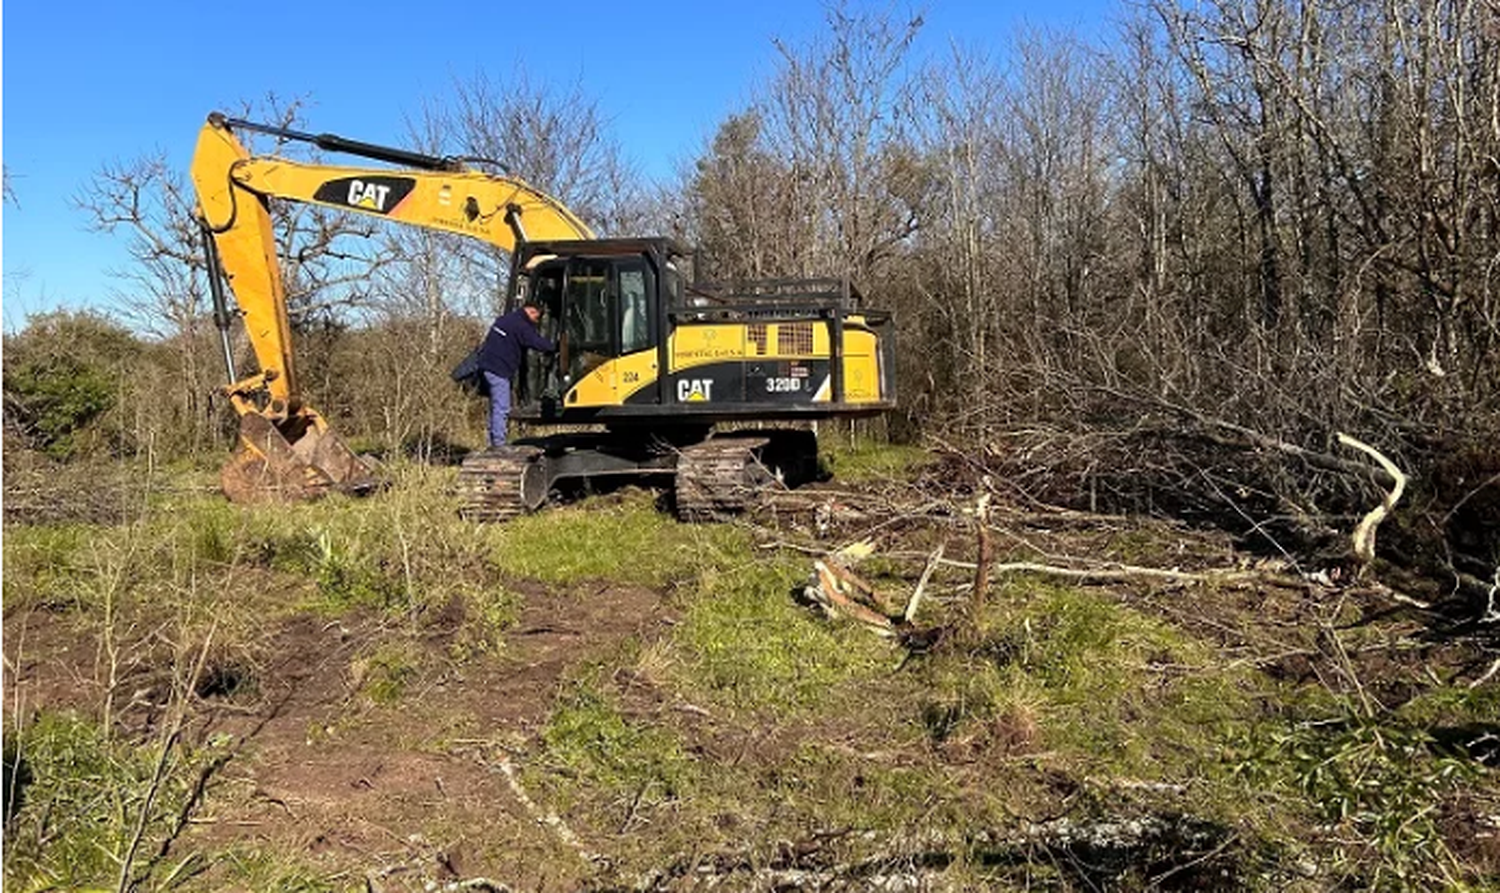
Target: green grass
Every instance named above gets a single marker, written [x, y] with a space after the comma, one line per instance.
[628, 780]
[1452, 704]
[248, 868]
[622, 538]
[744, 643]
[863, 460]
[750, 720]
[1109, 687]
[47, 566]
[832, 787]
[587, 738]
[82, 794]
[403, 551]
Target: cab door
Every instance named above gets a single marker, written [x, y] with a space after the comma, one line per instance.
[609, 326]
[590, 334]
[634, 295]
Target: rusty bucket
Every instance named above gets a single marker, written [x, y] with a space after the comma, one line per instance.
[292, 461]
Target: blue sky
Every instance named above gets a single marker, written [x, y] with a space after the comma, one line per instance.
[86, 83]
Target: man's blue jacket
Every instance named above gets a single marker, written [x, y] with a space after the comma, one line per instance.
[502, 348]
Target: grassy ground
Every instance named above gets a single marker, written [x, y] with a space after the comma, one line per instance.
[376, 695]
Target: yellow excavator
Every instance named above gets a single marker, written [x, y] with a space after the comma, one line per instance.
[652, 370]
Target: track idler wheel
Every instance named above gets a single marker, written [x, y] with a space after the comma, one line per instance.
[502, 482]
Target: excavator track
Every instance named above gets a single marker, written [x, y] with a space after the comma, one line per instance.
[500, 483]
[720, 478]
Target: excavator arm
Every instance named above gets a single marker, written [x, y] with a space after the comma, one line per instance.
[286, 450]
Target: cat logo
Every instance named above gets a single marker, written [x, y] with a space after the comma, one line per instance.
[373, 194]
[695, 390]
[370, 196]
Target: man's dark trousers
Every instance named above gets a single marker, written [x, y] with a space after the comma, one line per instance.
[499, 406]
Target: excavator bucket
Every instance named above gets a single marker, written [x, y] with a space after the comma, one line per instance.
[292, 461]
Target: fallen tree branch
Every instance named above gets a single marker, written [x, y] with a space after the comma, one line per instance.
[1487, 675]
[546, 818]
[858, 588]
[1120, 573]
[1364, 533]
[826, 590]
[916, 594]
[1255, 438]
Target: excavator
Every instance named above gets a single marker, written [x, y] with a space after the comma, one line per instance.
[705, 388]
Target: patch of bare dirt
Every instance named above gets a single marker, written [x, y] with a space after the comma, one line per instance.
[407, 793]
[49, 663]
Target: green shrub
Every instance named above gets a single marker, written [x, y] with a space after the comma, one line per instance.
[489, 612]
[54, 400]
[75, 817]
[1377, 783]
[62, 373]
[347, 579]
[384, 675]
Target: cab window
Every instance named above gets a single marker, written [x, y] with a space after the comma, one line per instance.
[635, 313]
[545, 287]
[588, 305]
[546, 290]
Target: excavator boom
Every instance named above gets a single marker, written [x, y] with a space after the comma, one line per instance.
[286, 449]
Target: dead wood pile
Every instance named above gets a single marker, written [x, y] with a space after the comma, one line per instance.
[968, 501]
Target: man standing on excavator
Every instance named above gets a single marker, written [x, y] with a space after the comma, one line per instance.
[500, 358]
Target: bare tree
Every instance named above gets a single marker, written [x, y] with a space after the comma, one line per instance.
[1364, 139]
[818, 176]
[557, 140]
[838, 113]
[163, 291]
[751, 219]
[958, 249]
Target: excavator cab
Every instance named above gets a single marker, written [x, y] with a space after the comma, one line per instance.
[641, 346]
[600, 308]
